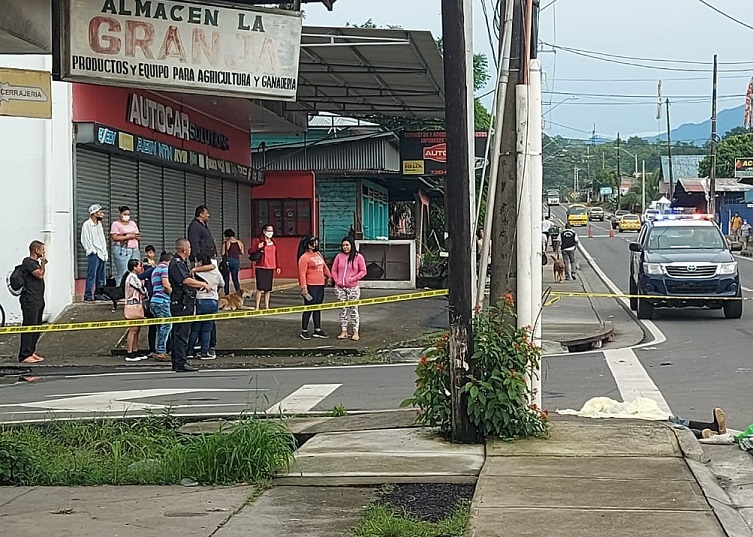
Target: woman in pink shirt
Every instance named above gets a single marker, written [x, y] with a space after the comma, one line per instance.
[266, 267]
[125, 237]
[348, 269]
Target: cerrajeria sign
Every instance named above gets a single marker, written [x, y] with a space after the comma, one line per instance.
[178, 46]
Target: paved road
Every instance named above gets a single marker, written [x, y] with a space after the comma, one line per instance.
[706, 359]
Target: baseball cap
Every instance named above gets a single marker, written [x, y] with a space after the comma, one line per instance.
[95, 208]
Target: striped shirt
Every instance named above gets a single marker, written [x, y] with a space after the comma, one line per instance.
[159, 294]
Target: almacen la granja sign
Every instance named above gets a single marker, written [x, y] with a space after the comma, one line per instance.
[178, 46]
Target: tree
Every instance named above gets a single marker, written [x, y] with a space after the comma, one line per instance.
[730, 148]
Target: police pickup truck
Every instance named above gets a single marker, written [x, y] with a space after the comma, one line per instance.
[684, 261]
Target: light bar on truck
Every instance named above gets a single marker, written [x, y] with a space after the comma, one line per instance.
[684, 217]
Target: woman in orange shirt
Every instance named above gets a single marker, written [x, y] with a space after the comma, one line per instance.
[313, 275]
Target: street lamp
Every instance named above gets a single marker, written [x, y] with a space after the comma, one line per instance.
[636, 174]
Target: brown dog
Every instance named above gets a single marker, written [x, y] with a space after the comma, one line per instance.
[559, 270]
[234, 301]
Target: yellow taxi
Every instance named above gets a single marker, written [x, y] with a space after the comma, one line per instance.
[577, 215]
[629, 222]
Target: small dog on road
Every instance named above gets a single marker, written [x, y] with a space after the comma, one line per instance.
[234, 301]
[559, 269]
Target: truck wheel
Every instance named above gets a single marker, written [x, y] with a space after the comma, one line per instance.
[733, 309]
[645, 309]
[633, 291]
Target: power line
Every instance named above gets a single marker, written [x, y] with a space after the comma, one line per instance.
[722, 13]
[679, 78]
[633, 96]
[640, 58]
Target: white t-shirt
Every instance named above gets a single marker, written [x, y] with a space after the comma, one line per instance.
[546, 225]
[544, 242]
[215, 280]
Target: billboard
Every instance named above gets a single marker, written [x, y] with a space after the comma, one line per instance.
[605, 190]
[425, 152]
[743, 167]
[25, 93]
[178, 46]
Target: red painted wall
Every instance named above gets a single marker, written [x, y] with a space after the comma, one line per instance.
[109, 105]
[289, 185]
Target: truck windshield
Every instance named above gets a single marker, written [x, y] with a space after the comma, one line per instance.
[577, 210]
[688, 238]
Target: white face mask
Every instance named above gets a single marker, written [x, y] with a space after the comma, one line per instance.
[126, 217]
[269, 234]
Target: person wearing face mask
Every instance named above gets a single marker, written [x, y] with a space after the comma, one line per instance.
[266, 267]
[125, 237]
[313, 275]
[95, 246]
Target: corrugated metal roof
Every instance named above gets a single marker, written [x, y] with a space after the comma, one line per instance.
[683, 167]
[354, 155]
[723, 184]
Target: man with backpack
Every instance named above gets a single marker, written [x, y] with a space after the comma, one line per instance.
[32, 269]
[569, 243]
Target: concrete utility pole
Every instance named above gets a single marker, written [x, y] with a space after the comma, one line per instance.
[712, 173]
[669, 154]
[643, 187]
[458, 64]
[619, 173]
[504, 219]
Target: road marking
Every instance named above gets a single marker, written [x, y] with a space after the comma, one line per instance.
[632, 379]
[116, 401]
[303, 399]
[746, 289]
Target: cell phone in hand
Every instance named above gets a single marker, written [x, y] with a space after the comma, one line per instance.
[309, 297]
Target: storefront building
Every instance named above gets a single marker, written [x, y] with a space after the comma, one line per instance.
[162, 160]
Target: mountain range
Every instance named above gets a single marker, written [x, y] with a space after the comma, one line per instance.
[699, 133]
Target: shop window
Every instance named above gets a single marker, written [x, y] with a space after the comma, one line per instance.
[289, 217]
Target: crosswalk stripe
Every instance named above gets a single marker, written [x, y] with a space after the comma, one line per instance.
[303, 399]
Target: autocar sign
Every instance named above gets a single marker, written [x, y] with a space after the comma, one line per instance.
[206, 49]
[743, 167]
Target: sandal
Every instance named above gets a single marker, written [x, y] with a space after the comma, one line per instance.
[355, 337]
[343, 335]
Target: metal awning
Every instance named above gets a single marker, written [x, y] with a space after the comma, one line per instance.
[362, 72]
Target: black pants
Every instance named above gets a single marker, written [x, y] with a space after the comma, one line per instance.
[317, 297]
[32, 315]
[152, 329]
[180, 334]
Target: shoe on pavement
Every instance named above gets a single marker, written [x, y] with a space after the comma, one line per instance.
[305, 335]
[102, 298]
[206, 356]
[721, 420]
[187, 368]
[708, 433]
[574, 278]
[213, 353]
[320, 334]
[136, 357]
[160, 357]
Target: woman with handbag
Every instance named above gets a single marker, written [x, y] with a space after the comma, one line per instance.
[265, 257]
[135, 295]
[232, 250]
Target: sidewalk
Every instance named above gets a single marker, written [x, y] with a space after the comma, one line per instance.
[591, 478]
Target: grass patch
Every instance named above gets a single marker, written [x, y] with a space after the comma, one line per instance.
[382, 521]
[148, 451]
[338, 411]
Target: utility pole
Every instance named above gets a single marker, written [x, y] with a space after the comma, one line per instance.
[504, 219]
[669, 154]
[643, 189]
[712, 174]
[456, 22]
[619, 175]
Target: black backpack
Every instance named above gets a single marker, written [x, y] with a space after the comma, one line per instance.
[16, 280]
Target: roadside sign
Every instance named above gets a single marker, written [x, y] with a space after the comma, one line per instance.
[25, 93]
[743, 167]
[605, 190]
[178, 46]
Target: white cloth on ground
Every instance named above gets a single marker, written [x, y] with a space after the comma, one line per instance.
[641, 408]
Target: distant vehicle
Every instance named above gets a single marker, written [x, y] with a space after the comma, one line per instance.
[577, 215]
[649, 215]
[629, 222]
[596, 213]
[616, 218]
[684, 261]
[552, 197]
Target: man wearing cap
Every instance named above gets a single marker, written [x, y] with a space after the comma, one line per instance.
[95, 245]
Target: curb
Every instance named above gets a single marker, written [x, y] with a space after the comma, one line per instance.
[726, 513]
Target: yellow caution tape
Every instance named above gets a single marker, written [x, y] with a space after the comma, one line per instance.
[560, 294]
[222, 316]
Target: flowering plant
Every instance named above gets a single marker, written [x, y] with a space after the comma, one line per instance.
[498, 396]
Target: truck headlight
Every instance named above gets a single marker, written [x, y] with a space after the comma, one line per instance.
[728, 268]
[652, 268]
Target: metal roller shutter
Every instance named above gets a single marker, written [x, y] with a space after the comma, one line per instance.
[150, 215]
[174, 207]
[194, 196]
[92, 186]
[214, 202]
[230, 207]
[244, 231]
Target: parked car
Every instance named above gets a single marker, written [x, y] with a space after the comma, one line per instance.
[649, 215]
[596, 213]
[629, 222]
[616, 218]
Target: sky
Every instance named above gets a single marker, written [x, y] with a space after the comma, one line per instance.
[581, 92]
